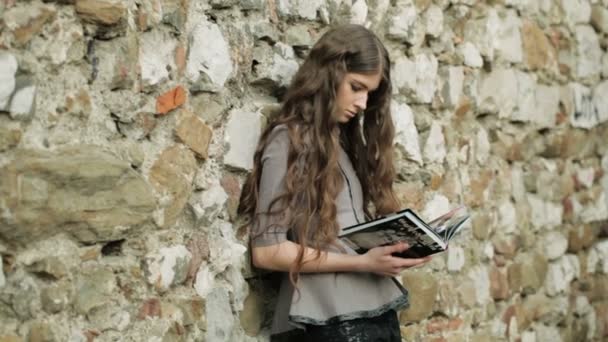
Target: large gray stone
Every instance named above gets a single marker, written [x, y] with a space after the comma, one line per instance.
[576, 12]
[220, 321]
[82, 191]
[498, 92]
[242, 134]
[588, 52]
[404, 24]
[305, 9]
[209, 61]
[406, 134]
[508, 44]
[94, 289]
[483, 33]
[274, 66]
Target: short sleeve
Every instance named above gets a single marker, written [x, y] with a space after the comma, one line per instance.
[270, 230]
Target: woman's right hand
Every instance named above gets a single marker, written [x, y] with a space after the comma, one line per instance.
[381, 261]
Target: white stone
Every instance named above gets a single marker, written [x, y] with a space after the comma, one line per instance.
[220, 319]
[583, 114]
[528, 336]
[560, 273]
[470, 55]
[554, 245]
[582, 306]
[284, 65]
[402, 23]
[488, 251]
[546, 106]
[518, 189]
[481, 279]
[547, 333]
[156, 54]
[594, 211]
[426, 77]
[433, 21]
[483, 33]
[537, 103]
[600, 103]
[22, 103]
[508, 44]
[482, 145]
[498, 92]
[205, 280]
[161, 266]
[224, 253]
[403, 75]
[209, 54]
[434, 148]
[544, 215]
[358, 12]
[597, 260]
[207, 205]
[8, 68]
[306, 9]
[455, 258]
[586, 176]
[406, 134]
[436, 206]
[526, 99]
[605, 65]
[242, 134]
[452, 88]
[576, 11]
[2, 277]
[507, 217]
[589, 52]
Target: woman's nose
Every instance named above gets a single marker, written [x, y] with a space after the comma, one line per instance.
[361, 102]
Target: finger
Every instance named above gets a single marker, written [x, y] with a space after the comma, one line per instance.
[396, 248]
[412, 262]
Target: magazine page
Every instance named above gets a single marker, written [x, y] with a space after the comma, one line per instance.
[448, 224]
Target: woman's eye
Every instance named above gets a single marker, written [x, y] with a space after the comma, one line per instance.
[355, 87]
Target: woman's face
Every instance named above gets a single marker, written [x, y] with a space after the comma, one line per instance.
[353, 93]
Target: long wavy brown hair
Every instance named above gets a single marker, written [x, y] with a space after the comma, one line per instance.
[313, 178]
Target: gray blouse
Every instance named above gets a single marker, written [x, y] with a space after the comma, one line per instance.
[323, 297]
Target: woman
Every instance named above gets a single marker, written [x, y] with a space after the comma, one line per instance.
[323, 164]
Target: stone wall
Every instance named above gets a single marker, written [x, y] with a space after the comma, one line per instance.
[127, 127]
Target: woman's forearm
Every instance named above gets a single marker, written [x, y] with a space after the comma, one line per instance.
[281, 257]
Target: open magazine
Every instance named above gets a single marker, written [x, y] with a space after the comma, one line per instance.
[406, 226]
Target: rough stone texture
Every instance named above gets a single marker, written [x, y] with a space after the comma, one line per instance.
[423, 289]
[172, 175]
[105, 12]
[538, 51]
[83, 191]
[501, 106]
[194, 133]
[167, 267]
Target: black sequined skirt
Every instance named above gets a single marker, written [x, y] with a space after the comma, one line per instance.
[383, 328]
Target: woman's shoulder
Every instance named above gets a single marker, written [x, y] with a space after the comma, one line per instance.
[279, 135]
